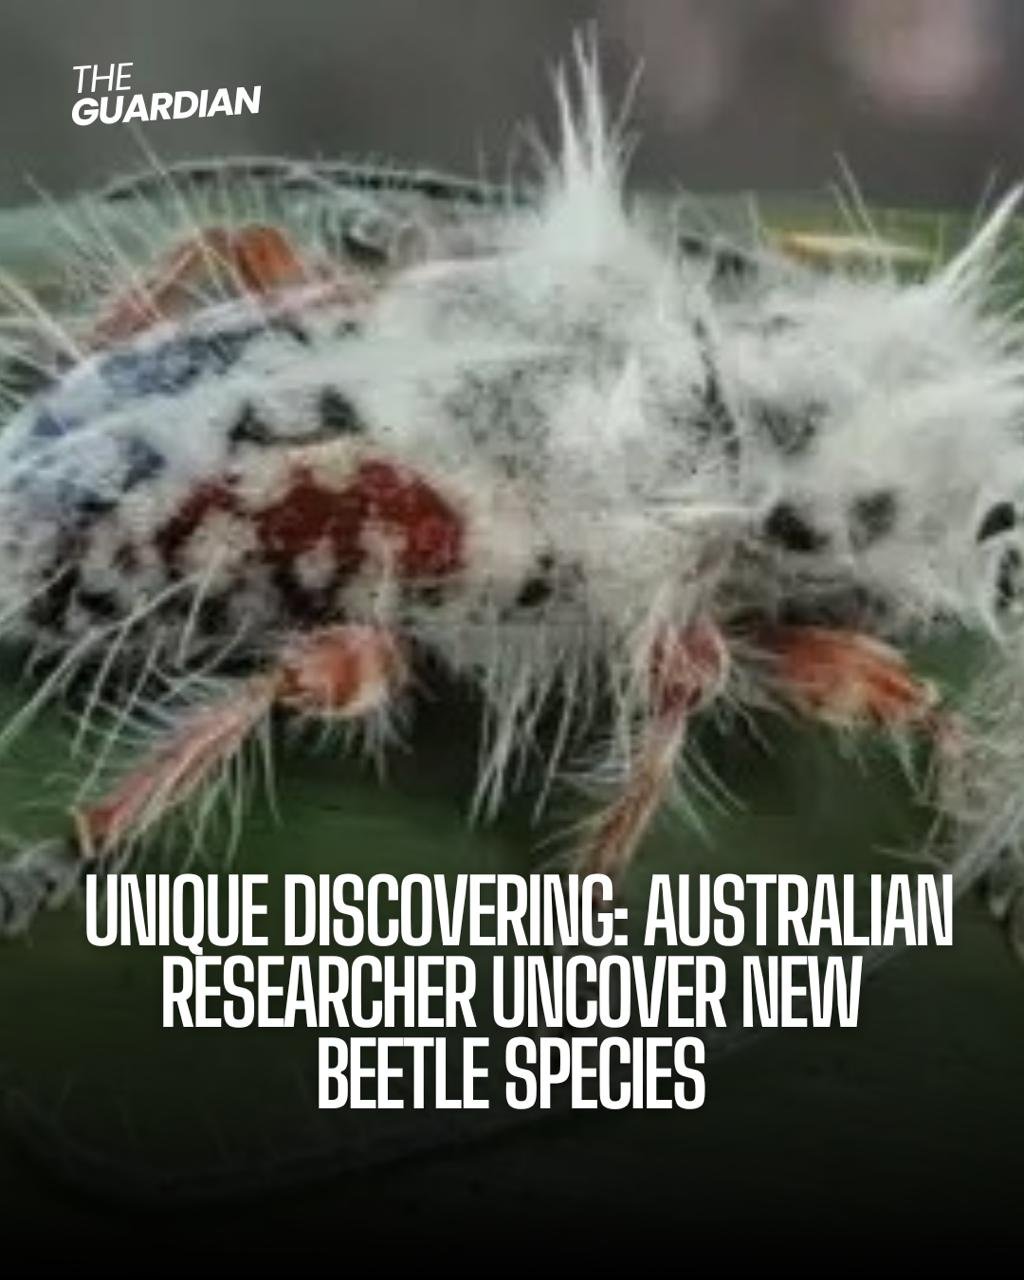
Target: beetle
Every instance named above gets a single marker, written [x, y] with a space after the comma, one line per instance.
[578, 454]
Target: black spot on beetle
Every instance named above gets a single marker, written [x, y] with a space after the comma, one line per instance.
[335, 418]
[872, 516]
[291, 328]
[547, 579]
[142, 462]
[101, 604]
[338, 414]
[90, 507]
[1000, 518]
[789, 529]
[1008, 577]
[538, 587]
[728, 264]
[534, 592]
[790, 429]
[249, 428]
[714, 420]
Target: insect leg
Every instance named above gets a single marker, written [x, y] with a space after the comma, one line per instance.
[850, 680]
[172, 772]
[256, 259]
[687, 669]
[342, 672]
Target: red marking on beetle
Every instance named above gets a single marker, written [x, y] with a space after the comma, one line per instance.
[426, 533]
[307, 514]
[402, 502]
[200, 503]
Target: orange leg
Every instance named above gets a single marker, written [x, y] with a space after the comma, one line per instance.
[687, 670]
[850, 680]
[342, 672]
[255, 260]
[847, 680]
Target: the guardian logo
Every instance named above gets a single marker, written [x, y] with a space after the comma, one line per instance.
[119, 105]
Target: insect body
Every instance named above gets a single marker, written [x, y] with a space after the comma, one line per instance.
[577, 458]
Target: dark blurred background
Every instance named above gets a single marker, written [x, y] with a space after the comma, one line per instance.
[919, 97]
